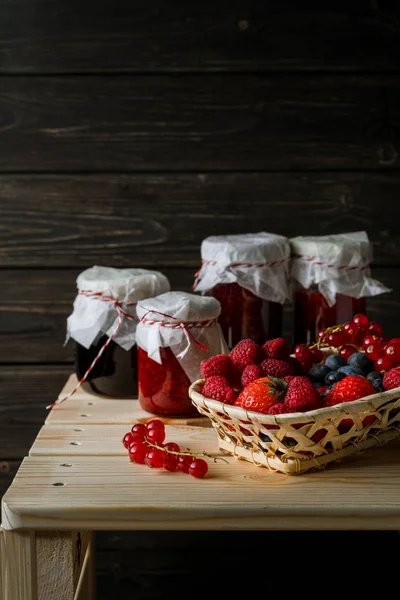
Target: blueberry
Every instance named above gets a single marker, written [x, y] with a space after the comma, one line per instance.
[348, 370]
[317, 384]
[317, 373]
[333, 377]
[334, 362]
[374, 375]
[360, 361]
[378, 385]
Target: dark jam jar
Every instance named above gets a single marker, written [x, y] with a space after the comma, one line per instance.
[115, 372]
[176, 331]
[244, 315]
[163, 388]
[103, 326]
[249, 274]
[313, 313]
[331, 278]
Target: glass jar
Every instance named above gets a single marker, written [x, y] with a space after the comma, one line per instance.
[249, 276]
[331, 281]
[163, 388]
[114, 373]
[313, 313]
[176, 331]
[103, 326]
[245, 315]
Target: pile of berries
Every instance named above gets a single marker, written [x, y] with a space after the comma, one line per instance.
[145, 445]
[269, 380]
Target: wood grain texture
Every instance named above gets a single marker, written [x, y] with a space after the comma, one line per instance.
[40, 36]
[20, 580]
[235, 122]
[161, 219]
[35, 304]
[112, 493]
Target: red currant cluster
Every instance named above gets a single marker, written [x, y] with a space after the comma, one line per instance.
[145, 444]
[358, 335]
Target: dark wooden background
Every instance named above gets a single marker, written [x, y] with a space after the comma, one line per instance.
[130, 130]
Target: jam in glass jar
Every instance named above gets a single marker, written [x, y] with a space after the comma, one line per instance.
[103, 326]
[176, 331]
[331, 280]
[249, 275]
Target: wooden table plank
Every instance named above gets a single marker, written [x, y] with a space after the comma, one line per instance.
[104, 440]
[83, 408]
[103, 493]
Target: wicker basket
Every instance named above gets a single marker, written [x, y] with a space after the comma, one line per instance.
[297, 442]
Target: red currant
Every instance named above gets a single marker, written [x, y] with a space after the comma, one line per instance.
[171, 462]
[127, 439]
[138, 451]
[336, 338]
[361, 320]
[171, 447]
[351, 331]
[198, 468]
[392, 351]
[155, 458]
[383, 364]
[138, 431]
[316, 355]
[154, 424]
[302, 352]
[394, 341]
[184, 462]
[374, 351]
[321, 335]
[370, 339]
[346, 351]
[375, 328]
[156, 436]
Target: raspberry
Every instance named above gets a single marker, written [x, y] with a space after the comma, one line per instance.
[275, 367]
[391, 379]
[278, 409]
[288, 378]
[301, 395]
[221, 364]
[245, 353]
[218, 388]
[276, 348]
[350, 388]
[251, 373]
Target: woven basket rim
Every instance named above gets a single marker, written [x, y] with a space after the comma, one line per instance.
[346, 408]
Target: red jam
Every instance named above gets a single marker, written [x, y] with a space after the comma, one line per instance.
[163, 388]
[312, 313]
[115, 372]
[244, 315]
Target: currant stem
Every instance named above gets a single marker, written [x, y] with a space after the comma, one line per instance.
[194, 454]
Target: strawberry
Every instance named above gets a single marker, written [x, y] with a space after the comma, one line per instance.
[261, 394]
[276, 348]
[352, 387]
[391, 379]
[301, 395]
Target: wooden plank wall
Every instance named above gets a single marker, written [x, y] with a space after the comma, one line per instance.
[130, 130]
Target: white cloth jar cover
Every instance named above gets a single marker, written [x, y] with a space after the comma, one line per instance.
[106, 303]
[336, 264]
[258, 262]
[184, 322]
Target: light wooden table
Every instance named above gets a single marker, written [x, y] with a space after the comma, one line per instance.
[78, 479]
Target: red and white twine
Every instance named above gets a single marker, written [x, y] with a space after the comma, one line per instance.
[121, 315]
[185, 326]
[213, 263]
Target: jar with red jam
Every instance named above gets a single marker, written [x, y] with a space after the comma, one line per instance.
[249, 275]
[103, 326]
[176, 331]
[332, 281]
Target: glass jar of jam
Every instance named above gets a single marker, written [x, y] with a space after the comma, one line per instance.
[249, 275]
[331, 281]
[103, 326]
[176, 331]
